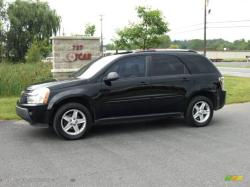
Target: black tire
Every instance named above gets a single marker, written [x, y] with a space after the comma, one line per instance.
[58, 120]
[189, 115]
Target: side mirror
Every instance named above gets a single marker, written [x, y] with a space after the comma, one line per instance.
[112, 76]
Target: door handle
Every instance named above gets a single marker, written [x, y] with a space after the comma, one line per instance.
[186, 79]
[143, 83]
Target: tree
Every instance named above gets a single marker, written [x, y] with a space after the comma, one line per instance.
[248, 45]
[45, 48]
[29, 21]
[240, 44]
[214, 44]
[165, 42]
[37, 51]
[2, 29]
[110, 46]
[2, 41]
[90, 30]
[196, 44]
[182, 44]
[174, 46]
[2, 10]
[145, 34]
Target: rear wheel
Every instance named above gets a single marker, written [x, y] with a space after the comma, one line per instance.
[72, 121]
[200, 111]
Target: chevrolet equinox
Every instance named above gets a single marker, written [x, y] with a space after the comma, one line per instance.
[125, 88]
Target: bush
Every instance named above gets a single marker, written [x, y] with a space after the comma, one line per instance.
[33, 53]
[45, 48]
[174, 46]
[15, 77]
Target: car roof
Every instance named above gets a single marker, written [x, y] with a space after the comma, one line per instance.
[159, 51]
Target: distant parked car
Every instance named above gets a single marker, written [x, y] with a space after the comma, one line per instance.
[125, 88]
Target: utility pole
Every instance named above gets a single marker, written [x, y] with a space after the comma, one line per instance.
[205, 28]
[101, 19]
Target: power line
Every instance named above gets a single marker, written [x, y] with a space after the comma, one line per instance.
[214, 22]
[188, 30]
[214, 27]
[224, 27]
[230, 21]
[180, 28]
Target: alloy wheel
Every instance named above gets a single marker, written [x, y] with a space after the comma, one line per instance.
[201, 111]
[73, 122]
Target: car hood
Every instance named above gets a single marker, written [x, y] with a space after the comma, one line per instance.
[55, 84]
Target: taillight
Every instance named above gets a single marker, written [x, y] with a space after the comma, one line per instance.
[221, 80]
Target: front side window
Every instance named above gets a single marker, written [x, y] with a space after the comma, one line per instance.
[130, 67]
[163, 65]
[94, 67]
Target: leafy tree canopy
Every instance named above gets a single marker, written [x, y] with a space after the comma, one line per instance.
[2, 28]
[145, 34]
[90, 30]
[213, 44]
[29, 21]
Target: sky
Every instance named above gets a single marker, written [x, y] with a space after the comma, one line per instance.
[185, 17]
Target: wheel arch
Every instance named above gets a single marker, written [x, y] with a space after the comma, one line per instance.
[209, 94]
[73, 99]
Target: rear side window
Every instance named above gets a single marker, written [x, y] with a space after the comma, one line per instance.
[198, 64]
[130, 67]
[161, 65]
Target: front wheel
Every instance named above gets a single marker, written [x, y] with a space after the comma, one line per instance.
[199, 112]
[72, 121]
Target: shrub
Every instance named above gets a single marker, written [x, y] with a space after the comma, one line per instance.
[33, 53]
[15, 77]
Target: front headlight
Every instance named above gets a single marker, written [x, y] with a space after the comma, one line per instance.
[38, 96]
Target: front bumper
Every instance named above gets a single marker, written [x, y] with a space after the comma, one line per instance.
[23, 113]
[35, 115]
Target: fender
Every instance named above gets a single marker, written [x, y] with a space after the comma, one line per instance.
[205, 92]
[80, 92]
[198, 87]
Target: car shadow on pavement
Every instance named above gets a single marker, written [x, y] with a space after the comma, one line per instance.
[118, 129]
[41, 133]
[113, 129]
[125, 128]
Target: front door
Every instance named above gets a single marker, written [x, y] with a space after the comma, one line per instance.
[129, 95]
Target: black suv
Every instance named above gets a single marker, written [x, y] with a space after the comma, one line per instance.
[127, 87]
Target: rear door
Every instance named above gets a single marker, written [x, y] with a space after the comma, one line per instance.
[170, 81]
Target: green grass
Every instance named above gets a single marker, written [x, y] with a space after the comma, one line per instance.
[15, 77]
[238, 91]
[234, 60]
[7, 108]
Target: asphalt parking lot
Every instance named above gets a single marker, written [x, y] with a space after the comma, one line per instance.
[164, 153]
[240, 69]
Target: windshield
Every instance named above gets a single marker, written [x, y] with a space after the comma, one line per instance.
[94, 67]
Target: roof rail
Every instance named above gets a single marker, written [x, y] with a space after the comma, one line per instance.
[126, 52]
[167, 50]
[193, 51]
[147, 50]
